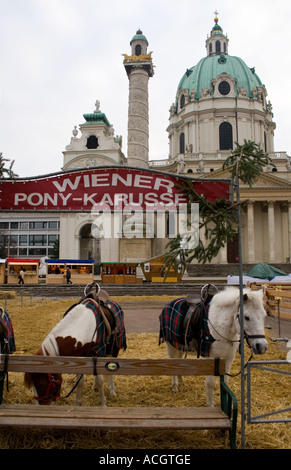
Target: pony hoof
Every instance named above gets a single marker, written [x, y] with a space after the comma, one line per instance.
[175, 389]
[210, 405]
[113, 393]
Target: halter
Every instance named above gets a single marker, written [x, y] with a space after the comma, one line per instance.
[246, 336]
[51, 386]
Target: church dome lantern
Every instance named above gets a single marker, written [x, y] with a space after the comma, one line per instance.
[139, 44]
[217, 43]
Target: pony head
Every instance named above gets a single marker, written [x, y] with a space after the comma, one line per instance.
[254, 317]
[47, 387]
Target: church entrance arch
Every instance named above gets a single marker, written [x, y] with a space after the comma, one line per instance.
[89, 245]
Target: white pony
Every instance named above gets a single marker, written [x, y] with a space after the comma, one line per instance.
[223, 329]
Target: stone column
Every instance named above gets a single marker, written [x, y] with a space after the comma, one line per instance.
[271, 231]
[138, 119]
[223, 255]
[289, 228]
[251, 232]
[139, 68]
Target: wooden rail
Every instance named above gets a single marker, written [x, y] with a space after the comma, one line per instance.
[135, 417]
[276, 296]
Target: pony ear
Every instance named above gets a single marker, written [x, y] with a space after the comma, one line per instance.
[245, 297]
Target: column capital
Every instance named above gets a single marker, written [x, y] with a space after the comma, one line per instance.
[268, 204]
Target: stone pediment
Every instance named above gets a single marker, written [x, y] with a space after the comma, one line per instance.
[265, 181]
[89, 161]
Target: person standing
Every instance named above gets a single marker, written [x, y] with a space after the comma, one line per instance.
[68, 276]
[21, 276]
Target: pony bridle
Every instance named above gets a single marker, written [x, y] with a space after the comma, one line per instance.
[246, 336]
[52, 385]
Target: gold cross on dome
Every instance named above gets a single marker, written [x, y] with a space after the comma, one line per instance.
[216, 18]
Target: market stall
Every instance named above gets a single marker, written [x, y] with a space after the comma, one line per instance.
[154, 271]
[2, 270]
[81, 271]
[25, 268]
[119, 273]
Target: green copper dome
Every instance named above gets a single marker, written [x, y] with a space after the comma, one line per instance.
[218, 62]
[139, 36]
[217, 29]
[201, 75]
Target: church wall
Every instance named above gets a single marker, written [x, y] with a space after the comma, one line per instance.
[261, 230]
[264, 237]
[285, 237]
[110, 250]
[69, 236]
[278, 234]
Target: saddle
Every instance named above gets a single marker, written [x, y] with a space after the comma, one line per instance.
[3, 327]
[101, 298]
[195, 317]
[192, 320]
[7, 342]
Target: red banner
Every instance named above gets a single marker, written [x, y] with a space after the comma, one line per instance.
[114, 186]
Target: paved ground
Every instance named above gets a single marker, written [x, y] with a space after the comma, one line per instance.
[142, 316]
[279, 330]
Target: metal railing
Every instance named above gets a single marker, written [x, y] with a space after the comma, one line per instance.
[272, 367]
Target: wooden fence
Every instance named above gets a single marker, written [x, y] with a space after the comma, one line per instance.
[277, 298]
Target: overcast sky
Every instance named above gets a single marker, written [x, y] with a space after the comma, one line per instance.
[59, 56]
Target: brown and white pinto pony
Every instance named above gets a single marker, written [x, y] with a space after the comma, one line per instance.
[92, 327]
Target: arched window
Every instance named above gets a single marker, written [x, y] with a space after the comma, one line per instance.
[182, 101]
[182, 143]
[92, 142]
[217, 48]
[225, 136]
[138, 49]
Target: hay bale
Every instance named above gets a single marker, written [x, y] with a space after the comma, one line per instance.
[9, 294]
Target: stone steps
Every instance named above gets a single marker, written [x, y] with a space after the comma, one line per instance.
[147, 289]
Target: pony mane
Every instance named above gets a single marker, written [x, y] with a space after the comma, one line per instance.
[230, 294]
[226, 297]
[256, 297]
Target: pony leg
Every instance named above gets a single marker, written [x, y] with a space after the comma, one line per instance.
[210, 384]
[79, 390]
[112, 391]
[174, 353]
[99, 387]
